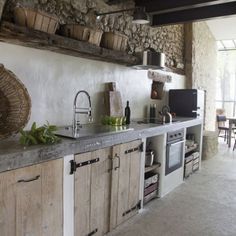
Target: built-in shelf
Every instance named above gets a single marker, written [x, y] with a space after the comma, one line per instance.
[193, 148]
[153, 167]
[15, 34]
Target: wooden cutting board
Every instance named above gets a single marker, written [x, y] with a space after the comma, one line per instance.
[113, 103]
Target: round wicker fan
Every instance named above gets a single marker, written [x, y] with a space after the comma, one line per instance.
[15, 103]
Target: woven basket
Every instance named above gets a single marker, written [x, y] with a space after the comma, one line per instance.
[82, 33]
[114, 41]
[36, 19]
[15, 104]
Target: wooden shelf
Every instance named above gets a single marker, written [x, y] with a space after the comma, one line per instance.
[153, 167]
[14, 34]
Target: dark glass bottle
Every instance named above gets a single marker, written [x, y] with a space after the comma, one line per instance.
[152, 113]
[127, 113]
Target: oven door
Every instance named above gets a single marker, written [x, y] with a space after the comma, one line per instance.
[174, 156]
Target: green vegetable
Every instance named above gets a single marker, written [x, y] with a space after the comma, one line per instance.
[41, 135]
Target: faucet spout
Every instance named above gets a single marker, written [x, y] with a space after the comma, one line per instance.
[81, 110]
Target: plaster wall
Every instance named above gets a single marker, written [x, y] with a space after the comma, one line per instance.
[53, 79]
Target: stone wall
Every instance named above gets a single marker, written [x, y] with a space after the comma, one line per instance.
[168, 39]
[201, 66]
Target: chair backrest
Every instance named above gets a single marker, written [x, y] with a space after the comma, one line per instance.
[221, 118]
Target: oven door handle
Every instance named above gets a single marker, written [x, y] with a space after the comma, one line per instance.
[173, 144]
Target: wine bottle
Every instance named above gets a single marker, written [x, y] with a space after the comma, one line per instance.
[127, 113]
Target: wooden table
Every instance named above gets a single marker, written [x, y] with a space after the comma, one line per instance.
[232, 120]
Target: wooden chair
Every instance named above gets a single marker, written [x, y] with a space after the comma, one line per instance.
[221, 121]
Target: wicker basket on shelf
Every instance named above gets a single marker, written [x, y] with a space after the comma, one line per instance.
[114, 41]
[35, 19]
[15, 104]
[82, 33]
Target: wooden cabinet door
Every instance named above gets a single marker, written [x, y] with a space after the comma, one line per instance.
[92, 193]
[28, 201]
[7, 204]
[82, 195]
[31, 199]
[100, 192]
[125, 182]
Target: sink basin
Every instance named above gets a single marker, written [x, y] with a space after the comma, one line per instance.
[90, 130]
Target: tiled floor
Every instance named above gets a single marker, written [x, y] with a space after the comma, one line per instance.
[204, 205]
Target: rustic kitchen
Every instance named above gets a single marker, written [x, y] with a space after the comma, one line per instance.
[102, 110]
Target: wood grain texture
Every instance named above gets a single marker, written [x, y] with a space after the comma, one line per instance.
[82, 195]
[28, 202]
[114, 187]
[100, 192]
[52, 207]
[23, 36]
[113, 103]
[32, 208]
[7, 204]
[125, 182]
[134, 177]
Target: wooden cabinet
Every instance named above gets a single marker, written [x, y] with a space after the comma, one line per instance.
[106, 188]
[125, 189]
[92, 192]
[31, 200]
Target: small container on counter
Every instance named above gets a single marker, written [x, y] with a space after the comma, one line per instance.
[152, 113]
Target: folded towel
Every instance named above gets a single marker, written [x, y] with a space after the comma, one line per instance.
[159, 77]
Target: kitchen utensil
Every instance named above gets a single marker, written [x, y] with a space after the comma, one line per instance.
[149, 158]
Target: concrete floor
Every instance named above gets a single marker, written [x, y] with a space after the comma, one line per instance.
[204, 205]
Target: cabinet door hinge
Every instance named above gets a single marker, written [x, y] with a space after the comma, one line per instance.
[93, 232]
[74, 165]
[139, 148]
[136, 207]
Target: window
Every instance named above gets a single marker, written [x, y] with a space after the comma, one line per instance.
[226, 80]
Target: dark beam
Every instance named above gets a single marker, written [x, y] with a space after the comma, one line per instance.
[194, 14]
[162, 6]
[113, 2]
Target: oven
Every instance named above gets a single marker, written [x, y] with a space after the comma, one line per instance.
[174, 151]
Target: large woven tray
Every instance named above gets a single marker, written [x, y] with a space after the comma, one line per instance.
[15, 104]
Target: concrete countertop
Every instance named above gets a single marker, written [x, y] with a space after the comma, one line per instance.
[13, 155]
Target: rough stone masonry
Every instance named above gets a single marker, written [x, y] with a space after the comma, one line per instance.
[166, 39]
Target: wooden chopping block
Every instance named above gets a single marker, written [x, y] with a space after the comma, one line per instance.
[113, 102]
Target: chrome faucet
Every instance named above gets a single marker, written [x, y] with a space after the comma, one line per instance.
[81, 110]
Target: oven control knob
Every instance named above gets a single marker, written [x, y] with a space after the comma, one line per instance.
[179, 134]
[175, 135]
[171, 136]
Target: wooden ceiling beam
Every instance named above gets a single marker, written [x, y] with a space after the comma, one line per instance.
[195, 14]
[113, 2]
[163, 6]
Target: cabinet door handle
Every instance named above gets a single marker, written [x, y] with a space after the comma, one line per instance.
[117, 167]
[28, 180]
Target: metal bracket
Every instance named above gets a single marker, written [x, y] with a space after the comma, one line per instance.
[139, 148]
[93, 232]
[74, 165]
[137, 207]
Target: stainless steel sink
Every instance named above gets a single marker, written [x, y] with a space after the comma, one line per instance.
[156, 121]
[90, 130]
